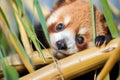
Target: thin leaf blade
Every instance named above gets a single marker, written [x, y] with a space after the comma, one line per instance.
[42, 19]
[109, 18]
[9, 72]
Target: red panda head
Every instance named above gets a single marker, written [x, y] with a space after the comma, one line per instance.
[70, 27]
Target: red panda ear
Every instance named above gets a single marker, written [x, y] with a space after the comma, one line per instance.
[58, 3]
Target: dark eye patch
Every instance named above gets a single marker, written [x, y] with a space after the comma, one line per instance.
[60, 27]
[79, 39]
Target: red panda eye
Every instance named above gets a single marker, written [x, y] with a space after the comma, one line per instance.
[79, 39]
[60, 27]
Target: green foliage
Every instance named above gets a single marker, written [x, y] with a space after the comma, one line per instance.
[29, 28]
[3, 41]
[24, 54]
[16, 40]
[42, 19]
[109, 18]
[9, 72]
[93, 19]
[20, 6]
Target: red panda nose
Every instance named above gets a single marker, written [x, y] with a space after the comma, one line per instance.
[61, 45]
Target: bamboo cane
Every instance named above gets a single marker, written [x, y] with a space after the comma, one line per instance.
[109, 64]
[15, 61]
[77, 64]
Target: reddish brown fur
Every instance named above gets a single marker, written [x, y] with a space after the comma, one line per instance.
[83, 18]
[79, 11]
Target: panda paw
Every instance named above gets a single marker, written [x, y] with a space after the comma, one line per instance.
[99, 40]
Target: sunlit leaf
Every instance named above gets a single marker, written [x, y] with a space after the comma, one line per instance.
[18, 46]
[93, 19]
[31, 34]
[109, 18]
[20, 7]
[7, 9]
[42, 19]
[3, 15]
[29, 28]
[9, 72]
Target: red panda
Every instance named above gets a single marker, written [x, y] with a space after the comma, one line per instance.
[70, 28]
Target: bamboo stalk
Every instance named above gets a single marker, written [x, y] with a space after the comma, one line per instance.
[37, 60]
[14, 60]
[77, 64]
[109, 64]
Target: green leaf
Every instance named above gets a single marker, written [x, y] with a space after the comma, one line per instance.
[29, 28]
[31, 34]
[3, 15]
[9, 72]
[109, 18]
[42, 19]
[20, 6]
[7, 9]
[15, 38]
[24, 54]
[4, 42]
[1, 53]
[93, 19]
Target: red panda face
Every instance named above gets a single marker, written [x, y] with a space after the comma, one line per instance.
[70, 28]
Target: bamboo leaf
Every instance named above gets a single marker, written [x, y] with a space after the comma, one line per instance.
[3, 15]
[32, 36]
[20, 7]
[24, 38]
[3, 41]
[18, 47]
[9, 72]
[9, 14]
[42, 19]
[29, 28]
[22, 53]
[109, 18]
[93, 19]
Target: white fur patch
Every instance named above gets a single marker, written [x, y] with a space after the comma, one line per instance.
[55, 17]
[69, 38]
[67, 20]
[82, 31]
[52, 19]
